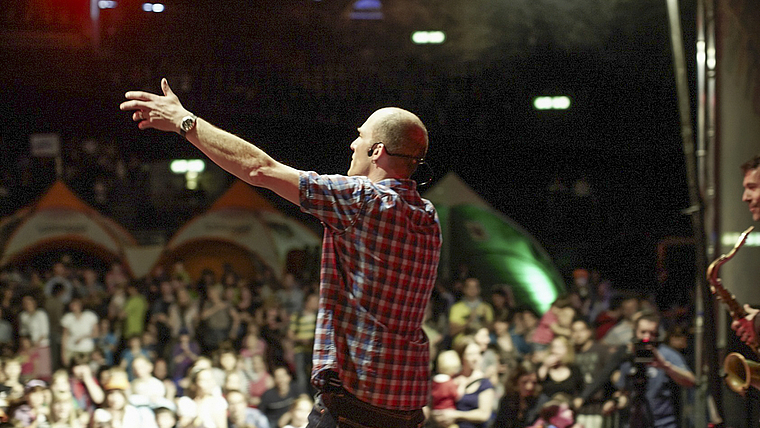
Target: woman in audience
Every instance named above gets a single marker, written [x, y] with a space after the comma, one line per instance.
[475, 406]
[212, 408]
[558, 373]
[517, 407]
[259, 379]
[298, 415]
[62, 412]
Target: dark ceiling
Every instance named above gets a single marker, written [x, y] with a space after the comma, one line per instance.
[298, 76]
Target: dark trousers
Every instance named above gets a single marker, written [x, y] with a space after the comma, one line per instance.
[341, 409]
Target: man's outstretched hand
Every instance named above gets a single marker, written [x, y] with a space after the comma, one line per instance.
[162, 112]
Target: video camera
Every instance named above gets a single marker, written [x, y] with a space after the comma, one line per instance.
[643, 351]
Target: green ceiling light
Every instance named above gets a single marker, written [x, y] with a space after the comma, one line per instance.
[182, 166]
[560, 102]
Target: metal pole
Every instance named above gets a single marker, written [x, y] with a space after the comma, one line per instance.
[696, 210]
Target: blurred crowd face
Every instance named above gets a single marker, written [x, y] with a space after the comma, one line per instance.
[646, 330]
[471, 357]
[282, 378]
[483, 338]
[580, 333]
[29, 304]
[36, 398]
[471, 288]
[527, 385]
[630, 307]
[116, 399]
[558, 347]
[237, 405]
[300, 413]
[61, 408]
[205, 382]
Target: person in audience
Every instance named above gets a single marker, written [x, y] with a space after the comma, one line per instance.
[12, 378]
[623, 332]
[227, 362]
[33, 412]
[159, 317]
[79, 331]
[83, 385]
[29, 356]
[211, 407]
[166, 416]
[301, 332]
[183, 313]
[290, 295]
[276, 401]
[184, 354]
[259, 379]
[555, 414]
[242, 416]
[161, 372]
[116, 404]
[62, 276]
[471, 311]
[590, 358]
[558, 373]
[62, 412]
[555, 322]
[34, 323]
[216, 319]
[106, 341]
[298, 414]
[475, 405]
[144, 383]
[55, 309]
[133, 313]
[134, 350]
[445, 391]
[517, 407]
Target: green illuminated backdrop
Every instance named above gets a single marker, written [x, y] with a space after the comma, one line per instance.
[496, 249]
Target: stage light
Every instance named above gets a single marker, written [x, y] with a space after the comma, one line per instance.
[552, 103]
[107, 4]
[367, 10]
[153, 7]
[428, 37]
[182, 166]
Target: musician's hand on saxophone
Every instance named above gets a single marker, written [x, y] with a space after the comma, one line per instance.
[745, 327]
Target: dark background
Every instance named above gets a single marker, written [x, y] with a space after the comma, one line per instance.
[298, 76]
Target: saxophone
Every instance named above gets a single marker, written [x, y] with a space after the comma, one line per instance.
[740, 373]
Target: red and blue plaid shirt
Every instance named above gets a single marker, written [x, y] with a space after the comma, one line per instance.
[379, 261]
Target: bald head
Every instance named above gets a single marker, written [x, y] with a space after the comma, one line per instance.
[395, 133]
[402, 131]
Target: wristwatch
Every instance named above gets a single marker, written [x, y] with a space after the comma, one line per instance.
[187, 124]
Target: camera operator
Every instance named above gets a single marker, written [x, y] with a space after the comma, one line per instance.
[649, 379]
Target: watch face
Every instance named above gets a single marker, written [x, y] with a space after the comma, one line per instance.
[187, 124]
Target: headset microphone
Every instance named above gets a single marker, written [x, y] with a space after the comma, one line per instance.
[372, 150]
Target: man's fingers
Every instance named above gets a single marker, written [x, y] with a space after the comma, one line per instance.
[140, 95]
[135, 105]
[144, 124]
[165, 87]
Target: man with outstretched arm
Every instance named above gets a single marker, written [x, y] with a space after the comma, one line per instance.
[380, 255]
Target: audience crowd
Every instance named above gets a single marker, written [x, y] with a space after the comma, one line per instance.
[82, 348]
